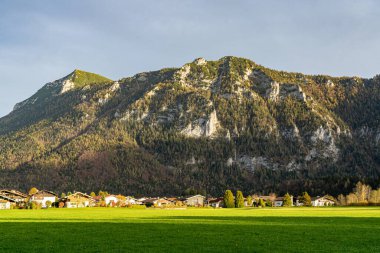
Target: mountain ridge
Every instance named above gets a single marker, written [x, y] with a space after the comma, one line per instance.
[206, 126]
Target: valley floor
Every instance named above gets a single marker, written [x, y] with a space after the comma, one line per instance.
[343, 229]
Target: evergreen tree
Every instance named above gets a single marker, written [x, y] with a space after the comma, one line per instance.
[306, 199]
[287, 200]
[249, 200]
[229, 199]
[239, 201]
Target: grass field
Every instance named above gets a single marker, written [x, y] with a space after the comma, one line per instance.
[193, 230]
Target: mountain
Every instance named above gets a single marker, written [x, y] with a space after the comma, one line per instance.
[204, 127]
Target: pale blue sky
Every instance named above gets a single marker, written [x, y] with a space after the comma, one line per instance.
[43, 40]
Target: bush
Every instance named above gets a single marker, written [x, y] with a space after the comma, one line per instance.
[48, 204]
[35, 205]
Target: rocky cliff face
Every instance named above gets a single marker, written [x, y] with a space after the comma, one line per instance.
[207, 125]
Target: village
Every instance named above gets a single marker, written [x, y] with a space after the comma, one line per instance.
[37, 199]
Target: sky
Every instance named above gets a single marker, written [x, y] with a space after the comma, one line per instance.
[44, 40]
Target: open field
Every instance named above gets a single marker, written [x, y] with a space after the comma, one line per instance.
[193, 230]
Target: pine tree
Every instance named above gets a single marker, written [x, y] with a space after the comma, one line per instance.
[239, 201]
[229, 199]
[287, 200]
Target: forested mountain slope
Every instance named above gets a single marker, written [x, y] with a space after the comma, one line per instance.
[205, 127]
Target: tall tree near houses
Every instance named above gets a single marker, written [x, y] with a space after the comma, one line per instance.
[342, 200]
[229, 199]
[363, 192]
[375, 196]
[306, 199]
[287, 200]
[239, 201]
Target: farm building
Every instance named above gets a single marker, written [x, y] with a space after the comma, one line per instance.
[197, 200]
[322, 201]
[159, 202]
[77, 200]
[111, 200]
[41, 197]
[15, 195]
[216, 203]
[5, 204]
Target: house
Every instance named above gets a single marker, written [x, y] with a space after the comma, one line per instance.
[78, 200]
[196, 200]
[130, 201]
[111, 200]
[5, 204]
[140, 201]
[162, 202]
[14, 196]
[159, 202]
[322, 201]
[216, 202]
[176, 201]
[299, 202]
[41, 197]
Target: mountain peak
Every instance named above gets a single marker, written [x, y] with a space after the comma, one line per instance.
[75, 80]
[79, 78]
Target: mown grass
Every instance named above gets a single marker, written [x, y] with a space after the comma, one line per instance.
[193, 230]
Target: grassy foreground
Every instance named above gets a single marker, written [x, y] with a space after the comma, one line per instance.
[193, 230]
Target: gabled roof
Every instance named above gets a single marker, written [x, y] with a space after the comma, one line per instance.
[174, 199]
[13, 192]
[80, 194]
[196, 196]
[111, 195]
[44, 193]
[323, 197]
[151, 200]
[4, 197]
[216, 200]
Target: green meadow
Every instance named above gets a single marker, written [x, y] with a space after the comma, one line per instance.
[192, 230]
